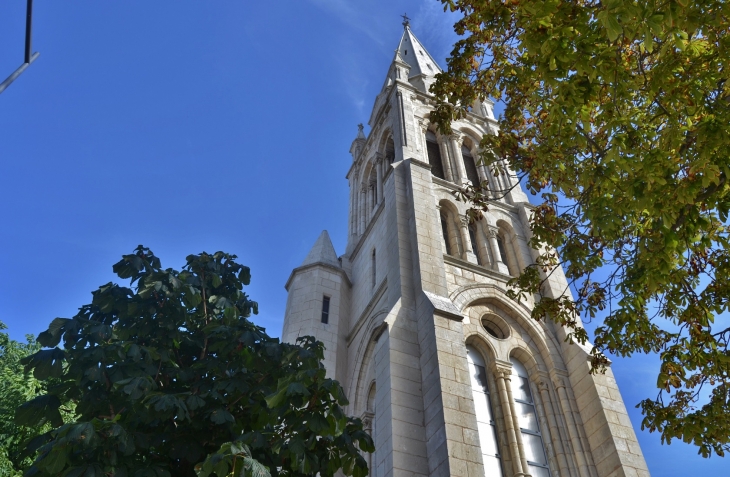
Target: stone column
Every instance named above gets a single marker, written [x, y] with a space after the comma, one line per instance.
[446, 159]
[583, 469]
[513, 412]
[363, 207]
[500, 265]
[455, 140]
[379, 159]
[557, 441]
[367, 418]
[501, 375]
[469, 252]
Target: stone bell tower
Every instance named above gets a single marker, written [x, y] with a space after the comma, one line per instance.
[450, 376]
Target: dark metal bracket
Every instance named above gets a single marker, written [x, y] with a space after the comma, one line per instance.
[29, 58]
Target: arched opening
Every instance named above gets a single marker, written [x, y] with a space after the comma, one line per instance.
[470, 165]
[450, 230]
[528, 422]
[508, 251]
[434, 155]
[389, 150]
[475, 243]
[486, 424]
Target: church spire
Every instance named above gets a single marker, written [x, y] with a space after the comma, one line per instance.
[412, 51]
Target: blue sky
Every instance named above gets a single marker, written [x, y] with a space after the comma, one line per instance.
[189, 126]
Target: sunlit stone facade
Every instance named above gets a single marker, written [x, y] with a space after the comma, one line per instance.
[450, 376]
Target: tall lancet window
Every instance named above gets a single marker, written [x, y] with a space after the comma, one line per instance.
[434, 155]
[475, 242]
[445, 232]
[485, 418]
[527, 418]
[470, 166]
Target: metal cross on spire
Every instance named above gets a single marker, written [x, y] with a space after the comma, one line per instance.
[406, 20]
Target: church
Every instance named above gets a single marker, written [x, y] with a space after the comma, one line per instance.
[449, 375]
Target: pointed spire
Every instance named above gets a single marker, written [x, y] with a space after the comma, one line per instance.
[412, 51]
[322, 251]
[358, 143]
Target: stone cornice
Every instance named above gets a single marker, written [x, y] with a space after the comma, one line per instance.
[317, 264]
[473, 267]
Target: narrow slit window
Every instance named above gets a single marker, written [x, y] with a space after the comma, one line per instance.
[502, 250]
[373, 269]
[325, 310]
[474, 243]
[445, 232]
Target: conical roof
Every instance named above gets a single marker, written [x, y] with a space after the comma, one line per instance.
[412, 51]
[322, 251]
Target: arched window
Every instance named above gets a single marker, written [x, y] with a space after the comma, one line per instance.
[527, 419]
[445, 232]
[485, 417]
[475, 243]
[470, 166]
[450, 231]
[507, 252]
[434, 155]
[390, 151]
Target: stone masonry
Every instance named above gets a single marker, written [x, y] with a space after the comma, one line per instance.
[417, 302]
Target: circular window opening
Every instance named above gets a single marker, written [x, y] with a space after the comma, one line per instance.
[495, 327]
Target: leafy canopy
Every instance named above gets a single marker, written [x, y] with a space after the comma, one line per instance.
[170, 377]
[16, 387]
[620, 109]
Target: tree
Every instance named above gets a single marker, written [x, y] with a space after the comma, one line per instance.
[171, 378]
[617, 114]
[16, 387]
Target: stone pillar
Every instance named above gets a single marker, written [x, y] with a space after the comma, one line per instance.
[469, 252]
[557, 442]
[516, 422]
[583, 469]
[363, 208]
[500, 265]
[367, 418]
[456, 141]
[379, 159]
[501, 375]
[446, 159]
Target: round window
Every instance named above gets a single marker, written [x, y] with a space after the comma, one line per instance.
[495, 326]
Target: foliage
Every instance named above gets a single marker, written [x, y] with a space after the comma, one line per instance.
[620, 109]
[171, 378]
[16, 387]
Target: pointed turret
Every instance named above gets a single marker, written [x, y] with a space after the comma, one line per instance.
[358, 143]
[322, 252]
[319, 295]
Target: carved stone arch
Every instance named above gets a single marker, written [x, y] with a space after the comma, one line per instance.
[363, 359]
[535, 365]
[514, 250]
[451, 228]
[483, 345]
[547, 345]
